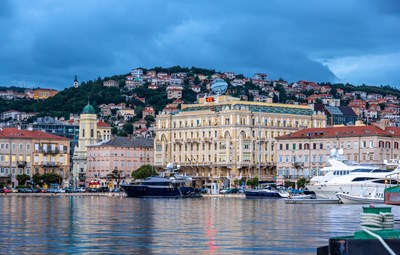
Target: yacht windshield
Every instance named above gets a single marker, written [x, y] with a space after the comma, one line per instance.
[363, 170]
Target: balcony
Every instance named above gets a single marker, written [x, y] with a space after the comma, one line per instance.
[50, 164]
[298, 164]
[21, 163]
[54, 151]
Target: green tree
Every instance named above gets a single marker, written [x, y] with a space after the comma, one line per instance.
[128, 128]
[22, 179]
[117, 175]
[49, 178]
[144, 172]
[253, 182]
[302, 182]
[38, 179]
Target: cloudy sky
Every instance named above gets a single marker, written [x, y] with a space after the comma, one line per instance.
[45, 42]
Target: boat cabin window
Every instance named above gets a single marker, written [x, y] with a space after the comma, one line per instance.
[363, 170]
[361, 179]
[381, 171]
[157, 183]
[382, 181]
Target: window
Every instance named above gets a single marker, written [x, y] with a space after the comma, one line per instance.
[13, 146]
[28, 147]
[20, 146]
[92, 132]
[83, 132]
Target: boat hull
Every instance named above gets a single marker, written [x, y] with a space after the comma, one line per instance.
[263, 194]
[350, 199]
[160, 192]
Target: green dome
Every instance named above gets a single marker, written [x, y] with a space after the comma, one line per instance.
[88, 110]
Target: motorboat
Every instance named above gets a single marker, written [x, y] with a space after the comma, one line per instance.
[355, 183]
[372, 198]
[338, 166]
[169, 184]
[266, 191]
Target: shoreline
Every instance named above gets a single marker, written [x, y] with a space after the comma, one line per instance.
[108, 194]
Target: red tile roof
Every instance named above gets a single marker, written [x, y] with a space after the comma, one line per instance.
[28, 134]
[102, 124]
[347, 131]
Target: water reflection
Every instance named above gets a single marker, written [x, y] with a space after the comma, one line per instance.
[112, 225]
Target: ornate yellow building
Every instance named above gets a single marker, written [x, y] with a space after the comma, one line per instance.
[222, 139]
[90, 132]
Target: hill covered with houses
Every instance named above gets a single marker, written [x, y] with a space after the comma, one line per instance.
[123, 101]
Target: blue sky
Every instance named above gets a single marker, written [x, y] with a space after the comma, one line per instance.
[45, 42]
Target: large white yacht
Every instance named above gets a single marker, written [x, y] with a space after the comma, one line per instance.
[357, 182]
[338, 166]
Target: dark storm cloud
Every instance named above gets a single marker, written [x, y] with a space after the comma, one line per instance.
[46, 43]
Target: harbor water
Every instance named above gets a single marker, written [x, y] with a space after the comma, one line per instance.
[120, 225]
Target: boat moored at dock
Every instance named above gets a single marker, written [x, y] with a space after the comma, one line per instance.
[170, 184]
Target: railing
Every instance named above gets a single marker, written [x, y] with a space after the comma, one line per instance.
[51, 164]
[21, 163]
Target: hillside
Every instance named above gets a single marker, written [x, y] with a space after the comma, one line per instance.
[72, 100]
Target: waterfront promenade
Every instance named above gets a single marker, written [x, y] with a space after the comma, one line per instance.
[107, 194]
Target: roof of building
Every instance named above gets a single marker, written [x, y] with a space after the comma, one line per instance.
[88, 109]
[102, 124]
[138, 142]
[28, 134]
[254, 108]
[347, 111]
[345, 131]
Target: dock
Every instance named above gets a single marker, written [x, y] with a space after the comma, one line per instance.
[312, 201]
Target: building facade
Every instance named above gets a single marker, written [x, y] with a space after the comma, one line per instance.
[32, 152]
[222, 139]
[305, 152]
[121, 154]
[39, 94]
[90, 132]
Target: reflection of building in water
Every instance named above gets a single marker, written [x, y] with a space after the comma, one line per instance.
[222, 139]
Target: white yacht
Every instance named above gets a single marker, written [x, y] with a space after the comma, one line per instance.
[357, 182]
[338, 166]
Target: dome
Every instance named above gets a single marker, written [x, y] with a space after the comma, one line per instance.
[219, 86]
[88, 109]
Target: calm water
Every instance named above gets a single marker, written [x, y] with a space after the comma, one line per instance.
[114, 225]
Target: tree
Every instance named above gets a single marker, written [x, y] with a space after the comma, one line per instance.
[253, 182]
[302, 182]
[128, 128]
[49, 178]
[117, 175]
[22, 179]
[144, 172]
[37, 179]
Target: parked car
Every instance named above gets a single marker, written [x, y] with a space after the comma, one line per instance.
[103, 189]
[230, 191]
[5, 190]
